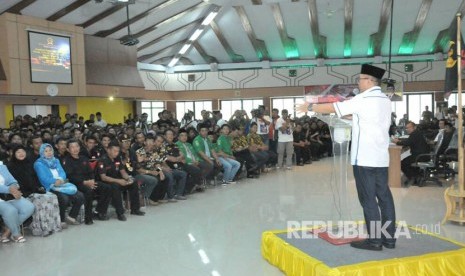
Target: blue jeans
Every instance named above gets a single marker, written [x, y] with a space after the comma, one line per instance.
[230, 167]
[377, 202]
[15, 212]
[176, 177]
[147, 183]
[265, 139]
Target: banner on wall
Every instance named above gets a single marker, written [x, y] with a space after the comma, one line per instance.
[439, 96]
[341, 92]
[329, 93]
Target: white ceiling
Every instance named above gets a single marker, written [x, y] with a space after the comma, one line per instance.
[259, 13]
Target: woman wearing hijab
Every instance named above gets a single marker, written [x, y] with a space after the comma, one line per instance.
[46, 218]
[14, 209]
[53, 178]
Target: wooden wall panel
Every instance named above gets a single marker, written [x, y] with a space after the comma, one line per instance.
[16, 60]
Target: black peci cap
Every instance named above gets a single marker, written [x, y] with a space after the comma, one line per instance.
[373, 71]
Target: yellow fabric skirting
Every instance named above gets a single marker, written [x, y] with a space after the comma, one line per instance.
[294, 262]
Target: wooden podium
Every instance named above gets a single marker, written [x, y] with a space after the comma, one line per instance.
[394, 166]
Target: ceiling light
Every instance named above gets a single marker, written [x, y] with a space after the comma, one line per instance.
[196, 35]
[209, 18]
[184, 49]
[173, 62]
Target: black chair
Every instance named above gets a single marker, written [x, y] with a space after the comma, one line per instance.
[428, 165]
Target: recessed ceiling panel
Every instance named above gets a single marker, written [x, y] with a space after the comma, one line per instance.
[438, 19]
[167, 23]
[366, 23]
[232, 29]
[401, 24]
[85, 12]
[213, 47]
[295, 16]
[264, 26]
[120, 16]
[156, 17]
[176, 37]
[331, 17]
[45, 8]
[6, 4]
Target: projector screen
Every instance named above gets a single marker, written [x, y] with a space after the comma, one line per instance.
[50, 58]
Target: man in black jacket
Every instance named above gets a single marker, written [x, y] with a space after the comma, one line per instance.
[111, 171]
[81, 174]
[417, 144]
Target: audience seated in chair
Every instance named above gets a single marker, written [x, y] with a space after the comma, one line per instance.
[228, 160]
[111, 171]
[176, 178]
[261, 149]
[156, 185]
[204, 148]
[244, 153]
[46, 218]
[192, 159]
[80, 172]
[53, 178]
[14, 208]
[417, 144]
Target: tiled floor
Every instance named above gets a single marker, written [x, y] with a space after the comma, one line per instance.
[213, 233]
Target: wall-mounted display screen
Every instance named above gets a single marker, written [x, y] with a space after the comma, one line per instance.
[50, 58]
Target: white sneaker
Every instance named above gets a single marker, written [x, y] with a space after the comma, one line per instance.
[231, 182]
[72, 221]
[153, 203]
[224, 182]
[64, 225]
[288, 168]
[278, 167]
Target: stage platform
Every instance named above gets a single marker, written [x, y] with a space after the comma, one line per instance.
[423, 254]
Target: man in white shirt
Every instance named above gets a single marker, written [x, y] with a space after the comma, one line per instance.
[285, 139]
[219, 119]
[440, 134]
[371, 111]
[99, 122]
[263, 122]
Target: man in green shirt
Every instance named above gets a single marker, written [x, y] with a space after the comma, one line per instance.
[230, 164]
[197, 168]
[204, 149]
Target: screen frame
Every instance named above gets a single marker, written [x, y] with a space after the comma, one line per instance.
[30, 61]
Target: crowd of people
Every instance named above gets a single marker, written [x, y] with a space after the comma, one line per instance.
[51, 170]
[433, 134]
